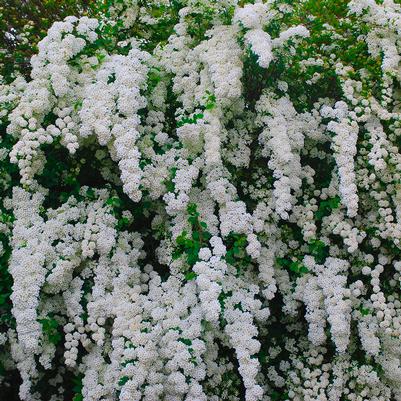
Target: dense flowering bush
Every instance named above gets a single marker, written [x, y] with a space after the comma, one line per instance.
[201, 200]
[23, 23]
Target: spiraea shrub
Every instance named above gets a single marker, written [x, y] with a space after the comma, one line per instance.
[201, 201]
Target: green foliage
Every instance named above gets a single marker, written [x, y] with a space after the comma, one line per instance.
[154, 77]
[294, 266]
[114, 202]
[51, 328]
[77, 388]
[24, 23]
[190, 120]
[279, 396]
[190, 246]
[190, 276]
[6, 281]
[236, 254]
[169, 183]
[222, 298]
[210, 101]
[326, 206]
[123, 380]
[8, 173]
[117, 208]
[319, 250]
[128, 362]
[365, 311]
[185, 341]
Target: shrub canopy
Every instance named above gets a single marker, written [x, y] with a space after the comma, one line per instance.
[201, 201]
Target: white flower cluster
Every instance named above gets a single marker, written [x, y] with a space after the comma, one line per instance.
[209, 274]
[110, 110]
[254, 17]
[282, 139]
[344, 147]
[52, 89]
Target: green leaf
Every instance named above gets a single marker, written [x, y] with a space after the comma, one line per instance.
[129, 362]
[193, 220]
[176, 254]
[319, 250]
[78, 105]
[365, 311]
[90, 193]
[50, 328]
[186, 341]
[190, 276]
[114, 201]
[180, 240]
[55, 338]
[123, 380]
[4, 298]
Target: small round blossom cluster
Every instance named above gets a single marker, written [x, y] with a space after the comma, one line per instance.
[208, 205]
